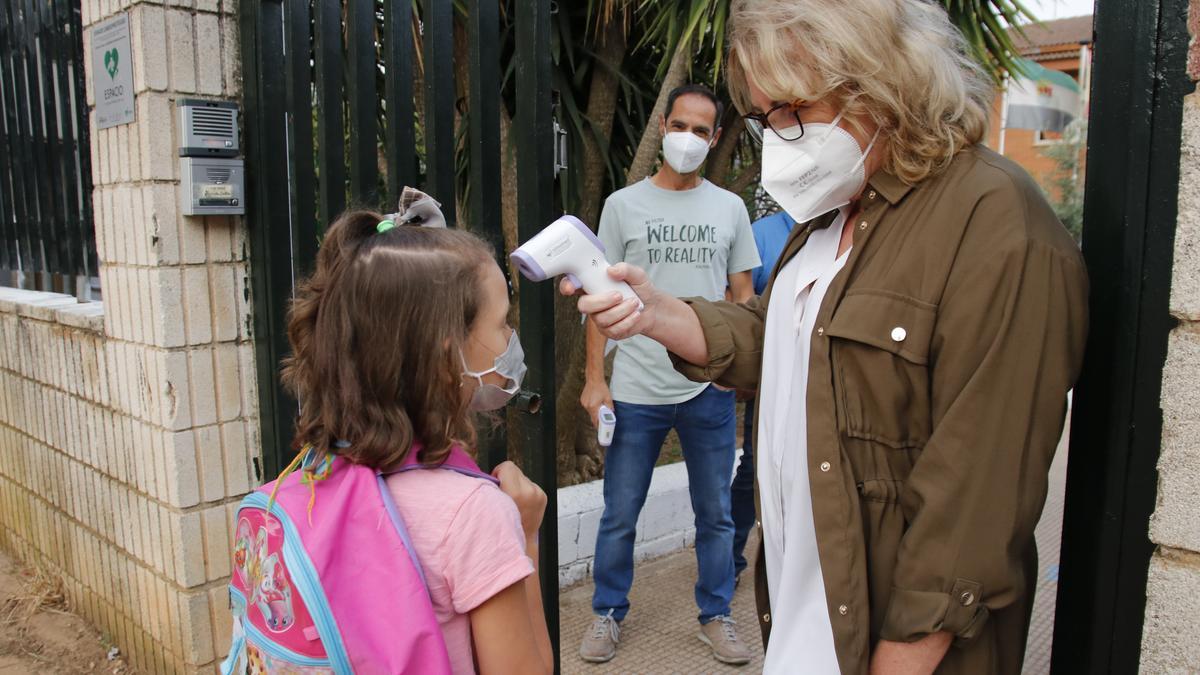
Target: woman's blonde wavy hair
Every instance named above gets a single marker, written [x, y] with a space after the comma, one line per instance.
[900, 62]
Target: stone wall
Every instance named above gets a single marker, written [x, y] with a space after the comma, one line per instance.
[128, 429]
[1171, 634]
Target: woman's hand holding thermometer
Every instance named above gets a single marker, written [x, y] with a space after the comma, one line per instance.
[620, 299]
[567, 247]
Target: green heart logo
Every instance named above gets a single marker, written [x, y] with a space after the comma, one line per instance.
[111, 57]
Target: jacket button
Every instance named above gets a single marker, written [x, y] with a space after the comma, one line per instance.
[967, 598]
[862, 225]
[825, 466]
[843, 609]
[766, 618]
[898, 334]
[871, 194]
[821, 330]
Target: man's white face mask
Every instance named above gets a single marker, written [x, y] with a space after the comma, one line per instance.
[684, 151]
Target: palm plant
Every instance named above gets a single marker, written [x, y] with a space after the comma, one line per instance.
[986, 23]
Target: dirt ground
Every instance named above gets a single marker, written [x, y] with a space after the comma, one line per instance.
[38, 633]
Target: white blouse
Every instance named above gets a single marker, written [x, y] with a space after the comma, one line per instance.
[800, 629]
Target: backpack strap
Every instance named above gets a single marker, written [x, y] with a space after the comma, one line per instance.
[393, 512]
[458, 461]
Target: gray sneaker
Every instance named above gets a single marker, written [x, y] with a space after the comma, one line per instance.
[727, 647]
[600, 640]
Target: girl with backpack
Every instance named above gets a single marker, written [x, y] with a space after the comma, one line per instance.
[384, 548]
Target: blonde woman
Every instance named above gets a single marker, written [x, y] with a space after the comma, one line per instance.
[912, 354]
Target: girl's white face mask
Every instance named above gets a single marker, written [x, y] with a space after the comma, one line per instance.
[509, 365]
[816, 173]
[684, 151]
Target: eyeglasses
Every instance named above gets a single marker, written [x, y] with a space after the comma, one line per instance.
[783, 119]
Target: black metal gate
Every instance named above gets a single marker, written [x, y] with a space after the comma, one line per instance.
[1138, 87]
[330, 89]
[47, 240]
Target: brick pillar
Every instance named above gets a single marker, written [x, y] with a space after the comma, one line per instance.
[177, 347]
[1171, 634]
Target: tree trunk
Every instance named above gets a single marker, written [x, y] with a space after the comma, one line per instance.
[647, 152]
[720, 160]
[746, 177]
[418, 79]
[508, 202]
[579, 457]
[462, 88]
[602, 108]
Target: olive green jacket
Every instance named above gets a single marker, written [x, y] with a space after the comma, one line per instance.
[941, 360]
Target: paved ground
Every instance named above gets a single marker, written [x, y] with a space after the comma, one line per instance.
[1049, 539]
[659, 635]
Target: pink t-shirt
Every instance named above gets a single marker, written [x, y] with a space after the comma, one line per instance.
[468, 537]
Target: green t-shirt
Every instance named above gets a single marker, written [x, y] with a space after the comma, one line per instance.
[689, 242]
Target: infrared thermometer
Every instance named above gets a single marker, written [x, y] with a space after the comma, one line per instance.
[568, 247]
[606, 426]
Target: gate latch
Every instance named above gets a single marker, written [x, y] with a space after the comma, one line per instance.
[528, 401]
[560, 134]
[560, 148]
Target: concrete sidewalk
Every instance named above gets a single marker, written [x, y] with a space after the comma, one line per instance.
[659, 635]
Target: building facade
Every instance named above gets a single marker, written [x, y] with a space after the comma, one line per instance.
[1064, 45]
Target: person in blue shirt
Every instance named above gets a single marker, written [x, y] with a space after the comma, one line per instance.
[770, 234]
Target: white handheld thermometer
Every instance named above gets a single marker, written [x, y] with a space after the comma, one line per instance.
[606, 426]
[568, 247]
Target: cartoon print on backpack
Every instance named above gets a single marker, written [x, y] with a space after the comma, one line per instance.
[259, 662]
[241, 552]
[256, 664]
[264, 576]
[273, 595]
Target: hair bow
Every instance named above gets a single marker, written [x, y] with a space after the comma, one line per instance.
[416, 208]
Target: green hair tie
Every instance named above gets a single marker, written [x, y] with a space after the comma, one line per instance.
[384, 226]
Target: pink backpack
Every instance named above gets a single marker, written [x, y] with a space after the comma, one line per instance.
[327, 581]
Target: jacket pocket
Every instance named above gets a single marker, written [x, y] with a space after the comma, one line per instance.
[880, 358]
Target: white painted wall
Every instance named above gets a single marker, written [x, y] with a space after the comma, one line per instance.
[666, 524]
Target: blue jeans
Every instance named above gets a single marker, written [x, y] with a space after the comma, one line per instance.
[742, 493]
[706, 426]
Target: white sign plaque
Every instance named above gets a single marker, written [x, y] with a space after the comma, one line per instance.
[112, 72]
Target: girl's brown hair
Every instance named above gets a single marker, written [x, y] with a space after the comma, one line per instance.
[376, 335]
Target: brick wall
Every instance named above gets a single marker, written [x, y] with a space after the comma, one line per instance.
[127, 428]
[1171, 634]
